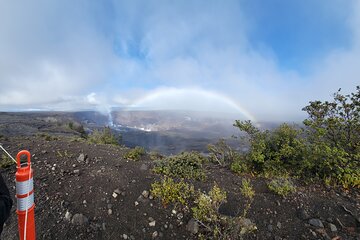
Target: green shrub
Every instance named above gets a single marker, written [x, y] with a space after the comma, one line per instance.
[327, 148]
[48, 137]
[207, 205]
[135, 153]
[77, 127]
[170, 191]
[2, 137]
[273, 153]
[155, 156]
[184, 165]
[333, 133]
[6, 161]
[247, 189]
[281, 186]
[214, 225]
[248, 192]
[105, 136]
[221, 153]
[240, 164]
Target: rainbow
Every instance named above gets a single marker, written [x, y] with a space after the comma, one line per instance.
[159, 99]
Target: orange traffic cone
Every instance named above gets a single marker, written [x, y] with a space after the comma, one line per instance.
[25, 198]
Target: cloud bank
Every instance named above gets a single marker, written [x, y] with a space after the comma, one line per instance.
[73, 55]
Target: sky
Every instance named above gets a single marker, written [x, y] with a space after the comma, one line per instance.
[261, 59]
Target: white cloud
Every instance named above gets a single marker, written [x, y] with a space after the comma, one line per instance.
[77, 55]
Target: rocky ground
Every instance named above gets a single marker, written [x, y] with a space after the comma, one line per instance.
[87, 191]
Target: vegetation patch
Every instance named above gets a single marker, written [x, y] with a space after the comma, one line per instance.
[6, 161]
[247, 189]
[215, 225]
[221, 153]
[170, 191]
[248, 192]
[154, 155]
[104, 136]
[48, 137]
[2, 137]
[79, 128]
[187, 165]
[135, 153]
[327, 148]
[281, 186]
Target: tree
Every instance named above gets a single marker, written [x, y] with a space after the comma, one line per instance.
[333, 133]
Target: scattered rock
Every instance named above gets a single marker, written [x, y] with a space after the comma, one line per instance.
[109, 211]
[114, 195]
[152, 223]
[313, 233]
[77, 171]
[192, 226]
[332, 227]
[180, 216]
[82, 157]
[145, 194]
[302, 214]
[278, 225]
[316, 223]
[246, 225]
[79, 219]
[136, 203]
[323, 233]
[68, 216]
[117, 191]
[246, 222]
[142, 199]
[155, 234]
[144, 167]
[125, 236]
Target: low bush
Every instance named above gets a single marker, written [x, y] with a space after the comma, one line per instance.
[247, 189]
[248, 192]
[2, 137]
[105, 136]
[48, 137]
[184, 165]
[221, 153]
[154, 155]
[240, 164]
[271, 153]
[6, 161]
[135, 153]
[77, 127]
[207, 205]
[281, 186]
[213, 224]
[170, 191]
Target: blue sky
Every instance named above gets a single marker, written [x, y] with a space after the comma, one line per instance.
[268, 58]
